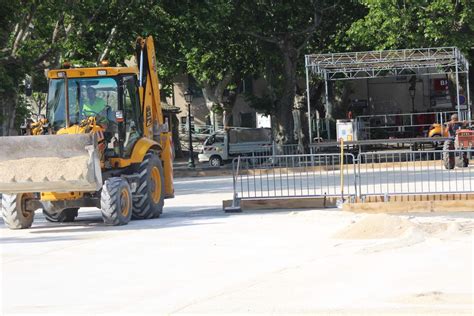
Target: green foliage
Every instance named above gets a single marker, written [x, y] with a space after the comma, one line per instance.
[414, 23]
[209, 44]
[263, 104]
[288, 30]
[217, 41]
[22, 110]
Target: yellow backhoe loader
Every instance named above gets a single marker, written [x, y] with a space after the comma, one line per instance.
[103, 143]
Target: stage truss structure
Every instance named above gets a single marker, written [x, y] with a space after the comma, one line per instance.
[386, 63]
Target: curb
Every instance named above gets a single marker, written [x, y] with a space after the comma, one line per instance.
[183, 173]
[282, 203]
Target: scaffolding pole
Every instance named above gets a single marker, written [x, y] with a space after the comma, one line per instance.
[468, 96]
[457, 91]
[328, 110]
[310, 133]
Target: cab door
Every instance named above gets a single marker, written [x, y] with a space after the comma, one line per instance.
[132, 128]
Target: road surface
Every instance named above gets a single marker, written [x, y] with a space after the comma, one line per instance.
[198, 260]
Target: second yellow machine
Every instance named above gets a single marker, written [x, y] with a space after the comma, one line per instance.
[103, 143]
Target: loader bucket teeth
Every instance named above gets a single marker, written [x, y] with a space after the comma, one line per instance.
[49, 163]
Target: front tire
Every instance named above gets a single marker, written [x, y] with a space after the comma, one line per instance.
[116, 202]
[67, 215]
[14, 212]
[150, 194]
[215, 161]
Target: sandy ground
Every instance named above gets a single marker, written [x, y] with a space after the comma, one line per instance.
[198, 260]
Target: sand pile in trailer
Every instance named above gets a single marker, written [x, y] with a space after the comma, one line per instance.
[376, 226]
[44, 169]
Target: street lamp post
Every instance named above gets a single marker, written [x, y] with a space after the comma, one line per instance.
[188, 96]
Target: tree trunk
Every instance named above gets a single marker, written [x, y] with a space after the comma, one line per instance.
[214, 96]
[284, 123]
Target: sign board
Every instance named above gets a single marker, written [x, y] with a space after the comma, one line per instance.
[263, 121]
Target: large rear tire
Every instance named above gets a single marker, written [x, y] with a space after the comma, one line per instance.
[65, 216]
[150, 194]
[14, 212]
[449, 160]
[116, 202]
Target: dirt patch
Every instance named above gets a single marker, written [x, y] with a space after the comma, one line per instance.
[377, 226]
[437, 297]
[381, 226]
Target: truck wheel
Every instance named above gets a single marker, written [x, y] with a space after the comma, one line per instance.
[116, 202]
[67, 215]
[14, 212]
[465, 160]
[215, 161]
[448, 157]
[151, 189]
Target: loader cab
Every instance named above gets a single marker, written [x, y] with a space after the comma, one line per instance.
[113, 102]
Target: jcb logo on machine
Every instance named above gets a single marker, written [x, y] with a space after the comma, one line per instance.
[148, 116]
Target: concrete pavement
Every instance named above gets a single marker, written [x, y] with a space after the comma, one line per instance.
[198, 260]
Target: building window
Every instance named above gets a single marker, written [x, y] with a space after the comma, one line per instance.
[246, 86]
[247, 120]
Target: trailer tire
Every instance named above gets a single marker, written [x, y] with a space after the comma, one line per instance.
[462, 161]
[150, 197]
[116, 202]
[67, 215]
[215, 161]
[14, 211]
[449, 160]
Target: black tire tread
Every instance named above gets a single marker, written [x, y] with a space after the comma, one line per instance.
[67, 215]
[218, 159]
[143, 206]
[110, 202]
[12, 213]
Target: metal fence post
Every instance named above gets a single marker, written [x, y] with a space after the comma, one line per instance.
[341, 169]
[235, 207]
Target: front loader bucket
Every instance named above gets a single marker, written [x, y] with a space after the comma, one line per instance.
[49, 163]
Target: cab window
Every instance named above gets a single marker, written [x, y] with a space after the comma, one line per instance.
[132, 114]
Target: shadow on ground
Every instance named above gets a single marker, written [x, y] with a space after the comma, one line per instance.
[89, 224]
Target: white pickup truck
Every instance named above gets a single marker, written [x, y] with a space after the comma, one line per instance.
[225, 145]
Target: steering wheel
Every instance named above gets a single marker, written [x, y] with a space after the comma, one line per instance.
[101, 114]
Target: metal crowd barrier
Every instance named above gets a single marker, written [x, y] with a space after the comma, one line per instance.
[414, 172]
[294, 176]
[370, 173]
